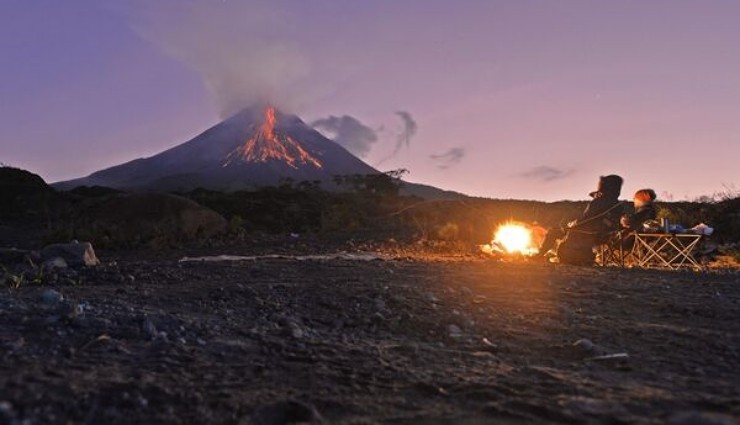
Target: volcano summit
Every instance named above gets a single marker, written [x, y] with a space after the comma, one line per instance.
[256, 147]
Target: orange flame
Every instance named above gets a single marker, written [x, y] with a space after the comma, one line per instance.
[516, 238]
[267, 144]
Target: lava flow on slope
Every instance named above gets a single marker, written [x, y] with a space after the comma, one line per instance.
[268, 144]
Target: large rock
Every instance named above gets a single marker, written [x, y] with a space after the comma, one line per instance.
[132, 219]
[74, 253]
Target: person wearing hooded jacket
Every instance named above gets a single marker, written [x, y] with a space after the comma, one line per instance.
[573, 244]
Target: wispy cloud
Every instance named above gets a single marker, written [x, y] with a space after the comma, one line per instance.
[546, 173]
[409, 129]
[404, 137]
[449, 158]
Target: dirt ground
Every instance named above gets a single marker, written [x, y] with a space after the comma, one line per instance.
[433, 339]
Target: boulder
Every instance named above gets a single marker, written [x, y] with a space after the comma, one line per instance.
[55, 263]
[74, 253]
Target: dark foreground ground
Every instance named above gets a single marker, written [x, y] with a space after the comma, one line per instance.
[145, 339]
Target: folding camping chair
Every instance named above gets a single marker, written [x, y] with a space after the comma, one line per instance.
[610, 254]
[615, 250]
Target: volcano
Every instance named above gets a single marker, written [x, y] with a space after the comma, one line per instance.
[258, 146]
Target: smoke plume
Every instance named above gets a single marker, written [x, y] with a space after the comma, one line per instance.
[348, 132]
[449, 158]
[237, 48]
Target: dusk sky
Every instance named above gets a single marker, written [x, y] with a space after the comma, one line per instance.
[504, 99]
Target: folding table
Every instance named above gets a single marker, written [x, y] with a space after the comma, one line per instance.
[651, 250]
[665, 250]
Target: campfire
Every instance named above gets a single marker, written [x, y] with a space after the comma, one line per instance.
[512, 239]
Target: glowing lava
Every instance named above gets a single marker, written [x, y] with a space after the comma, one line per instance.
[515, 239]
[269, 145]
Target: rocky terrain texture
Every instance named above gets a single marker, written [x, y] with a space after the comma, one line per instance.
[406, 338]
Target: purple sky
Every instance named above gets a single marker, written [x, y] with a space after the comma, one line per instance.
[512, 99]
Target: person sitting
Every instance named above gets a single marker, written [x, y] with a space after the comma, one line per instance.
[643, 202]
[574, 244]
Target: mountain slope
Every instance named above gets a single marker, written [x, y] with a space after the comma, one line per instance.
[255, 147]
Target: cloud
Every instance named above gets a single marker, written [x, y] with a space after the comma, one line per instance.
[449, 158]
[348, 132]
[404, 137]
[237, 48]
[409, 129]
[546, 173]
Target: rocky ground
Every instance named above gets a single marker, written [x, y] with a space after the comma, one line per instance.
[144, 338]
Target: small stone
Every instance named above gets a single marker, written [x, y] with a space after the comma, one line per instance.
[51, 297]
[74, 253]
[381, 305]
[55, 263]
[296, 331]
[585, 345]
[149, 329]
[142, 401]
[487, 342]
[585, 348]
[454, 331]
[7, 413]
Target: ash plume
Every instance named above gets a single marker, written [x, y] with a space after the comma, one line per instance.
[546, 173]
[237, 48]
[348, 132]
[404, 137]
[449, 158]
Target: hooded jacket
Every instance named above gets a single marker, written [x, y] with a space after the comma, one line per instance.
[602, 213]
